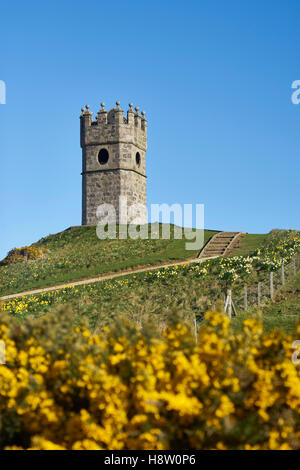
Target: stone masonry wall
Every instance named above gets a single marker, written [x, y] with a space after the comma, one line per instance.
[101, 188]
[106, 187]
[133, 186]
[122, 175]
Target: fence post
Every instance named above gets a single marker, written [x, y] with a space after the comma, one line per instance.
[258, 293]
[271, 285]
[195, 328]
[294, 265]
[282, 274]
[245, 298]
[229, 303]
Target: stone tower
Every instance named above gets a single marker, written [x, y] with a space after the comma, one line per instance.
[113, 159]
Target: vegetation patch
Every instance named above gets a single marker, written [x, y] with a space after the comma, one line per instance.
[77, 253]
[118, 364]
[132, 387]
[191, 289]
[26, 253]
[283, 312]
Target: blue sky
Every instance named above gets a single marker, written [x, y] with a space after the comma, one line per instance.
[214, 78]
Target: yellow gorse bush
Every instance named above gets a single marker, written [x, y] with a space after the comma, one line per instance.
[24, 253]
[64, 388]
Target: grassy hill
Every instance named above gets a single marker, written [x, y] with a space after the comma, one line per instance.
[249, 243]
[283, 312]
[160, 294]
[130, 364]
[130, 361]
[77, 253]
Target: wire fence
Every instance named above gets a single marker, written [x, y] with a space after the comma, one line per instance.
[240, 298]
[256, 294]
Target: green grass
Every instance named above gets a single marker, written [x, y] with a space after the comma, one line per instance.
[249, 243]
[144, 295]
[283, 312]
[135, 296]
[77, 253]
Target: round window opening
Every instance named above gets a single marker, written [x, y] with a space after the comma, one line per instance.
[138, 159]
[103, 156]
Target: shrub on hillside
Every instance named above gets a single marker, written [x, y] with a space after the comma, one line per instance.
[64, 388]
[26, 253]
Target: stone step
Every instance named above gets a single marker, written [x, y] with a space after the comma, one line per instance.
[219, 244]
[221, 239]
[215, 250]
[225, 235]
[215, 247]
[224, 239]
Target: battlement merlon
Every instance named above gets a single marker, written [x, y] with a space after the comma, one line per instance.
[111, 126]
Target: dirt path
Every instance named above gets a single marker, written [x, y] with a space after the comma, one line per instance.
[105, 277]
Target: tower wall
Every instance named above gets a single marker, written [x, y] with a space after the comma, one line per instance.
[124, 174]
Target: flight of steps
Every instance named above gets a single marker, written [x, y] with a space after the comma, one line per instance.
[221, 244]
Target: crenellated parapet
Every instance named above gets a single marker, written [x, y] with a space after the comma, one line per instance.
[111, 126]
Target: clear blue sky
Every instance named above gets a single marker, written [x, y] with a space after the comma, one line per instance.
[213, 76]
